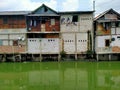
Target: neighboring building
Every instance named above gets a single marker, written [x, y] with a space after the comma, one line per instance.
[107, 35]
[43, 26]
[12, 33]
[77, 32]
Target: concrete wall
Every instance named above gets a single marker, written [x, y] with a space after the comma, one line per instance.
[43, 45]
[82, 42]
[114, 44]
[75, 42]
[84, 23]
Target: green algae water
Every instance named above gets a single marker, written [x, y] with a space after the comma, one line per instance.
[60, 76]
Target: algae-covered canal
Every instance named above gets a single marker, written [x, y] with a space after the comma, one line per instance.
[60, 76]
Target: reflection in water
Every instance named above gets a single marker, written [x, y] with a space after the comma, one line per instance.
[60, 76]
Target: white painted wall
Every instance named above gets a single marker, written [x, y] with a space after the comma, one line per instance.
[100, 43]
[82, 42]
[21, 30]
[33, 45]
[43, 45]
[118, 30]
[85, 23]
[16, 36]
[113, 30]
[50, 45]
[3, 36]
[68, 25]
[75, 42]
[100, 40]
[69, 42]
[117, 40]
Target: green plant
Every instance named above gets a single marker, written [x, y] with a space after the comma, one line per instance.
[62, 53]
[89, 53]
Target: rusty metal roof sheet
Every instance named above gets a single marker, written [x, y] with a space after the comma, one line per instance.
[14, 12]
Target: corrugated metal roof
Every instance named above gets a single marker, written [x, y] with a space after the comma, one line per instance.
[102, 14]
[43, 15]
[75, 12]
[14, 12]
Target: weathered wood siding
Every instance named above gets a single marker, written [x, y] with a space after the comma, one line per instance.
[49, 25]
[7, 22]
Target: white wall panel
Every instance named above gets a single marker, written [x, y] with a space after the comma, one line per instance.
[82, 42]
[69, 42]
[44, 46]
[117, 30]
[2, 36]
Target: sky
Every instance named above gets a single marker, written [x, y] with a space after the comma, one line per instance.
[60, 5]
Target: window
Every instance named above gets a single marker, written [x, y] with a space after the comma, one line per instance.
[75, 18]
[45, 9]
[117, 24]
[113, 24]
[5, 20]
[107, 42]
[15, 42]
[52, 21]
[43, 21]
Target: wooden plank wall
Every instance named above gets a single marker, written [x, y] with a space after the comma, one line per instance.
[12, 23]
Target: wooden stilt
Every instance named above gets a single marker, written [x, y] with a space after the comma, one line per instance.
[59, 56]
[40, 57]
[97, 56]
[76, 57]
[109, 57]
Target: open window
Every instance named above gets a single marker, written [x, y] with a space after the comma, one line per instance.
[75, 18]
[45, 9]
[15, 42]
[5, 20]
[107, 42]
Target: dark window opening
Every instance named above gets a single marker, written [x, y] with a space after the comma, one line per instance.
[45, 9]
[75, 18]
[107, 26]
[43, 21]
[107, 42]
[117, 24]
[5, 20]
[15, 42]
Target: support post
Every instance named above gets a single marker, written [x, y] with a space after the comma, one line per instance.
[109, 57]
[97, 56]
[40, 57]
[59, 56]
[76, 57]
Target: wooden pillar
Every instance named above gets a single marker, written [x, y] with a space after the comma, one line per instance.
[75, 46]
[40, 57]
[76, 57]
[109, 57]
[59, 57]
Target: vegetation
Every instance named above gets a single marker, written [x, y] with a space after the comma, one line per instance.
[89, 54]
[63, 54]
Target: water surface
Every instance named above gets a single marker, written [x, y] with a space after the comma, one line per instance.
[60, 76]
